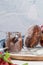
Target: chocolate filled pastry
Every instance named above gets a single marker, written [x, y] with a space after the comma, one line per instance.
[32, 37]
[41, 38]
[13, 41]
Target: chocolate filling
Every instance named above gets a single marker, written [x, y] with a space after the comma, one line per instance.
[14, 40]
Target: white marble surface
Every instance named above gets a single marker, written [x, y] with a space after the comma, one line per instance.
[29, 62]
[29, 52]
[18, 15]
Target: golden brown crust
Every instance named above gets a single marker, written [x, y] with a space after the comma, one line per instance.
[33, 40]
[13, 44]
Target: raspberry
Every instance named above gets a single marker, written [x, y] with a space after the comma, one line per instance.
[0, 52]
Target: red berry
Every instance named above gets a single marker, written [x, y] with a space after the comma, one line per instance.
[1, 60]
[6, 63]
[13, 64]
[0, 52]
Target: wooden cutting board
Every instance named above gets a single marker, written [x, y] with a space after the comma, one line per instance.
[32, 55]
[28, 58]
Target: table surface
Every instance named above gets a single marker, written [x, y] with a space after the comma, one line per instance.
[29, 62]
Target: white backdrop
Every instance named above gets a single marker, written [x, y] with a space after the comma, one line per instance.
[18, 15]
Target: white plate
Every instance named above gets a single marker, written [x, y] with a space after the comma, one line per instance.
[29, 52]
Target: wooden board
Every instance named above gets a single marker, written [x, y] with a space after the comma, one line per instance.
[28, 58]
[35, 54]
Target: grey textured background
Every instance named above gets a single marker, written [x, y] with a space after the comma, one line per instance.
[18, 15]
